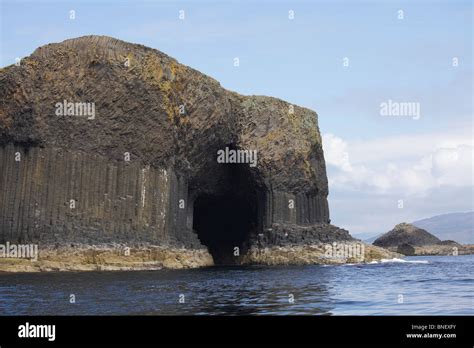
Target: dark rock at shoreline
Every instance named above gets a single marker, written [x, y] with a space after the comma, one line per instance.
[448, 242]
[406, 234]
[290, 235]
[406, 249]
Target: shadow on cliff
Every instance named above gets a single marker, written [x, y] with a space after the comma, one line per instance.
[224, 223]
[225, 220]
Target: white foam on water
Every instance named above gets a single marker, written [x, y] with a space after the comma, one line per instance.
[396, 260]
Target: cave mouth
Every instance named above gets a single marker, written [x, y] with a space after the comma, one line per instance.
[224, 223]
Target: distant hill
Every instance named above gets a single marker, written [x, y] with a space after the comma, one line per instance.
[455, 226]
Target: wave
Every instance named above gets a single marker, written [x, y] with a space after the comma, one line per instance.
[396, 260]
[373, 262]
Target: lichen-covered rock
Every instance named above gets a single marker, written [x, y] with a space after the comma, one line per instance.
[105, 141]
[108, 258]
[318, 254]
[138, 92]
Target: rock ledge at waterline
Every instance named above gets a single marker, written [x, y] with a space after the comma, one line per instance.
[139, 168]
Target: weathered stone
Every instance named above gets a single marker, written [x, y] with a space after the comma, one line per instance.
[410, 240]
[406, 234]
[406, 249]
[75, 184]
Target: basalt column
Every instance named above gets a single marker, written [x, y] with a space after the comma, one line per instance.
[54, 196]
[93, 150]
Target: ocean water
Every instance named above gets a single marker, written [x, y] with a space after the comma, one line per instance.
[428, 285]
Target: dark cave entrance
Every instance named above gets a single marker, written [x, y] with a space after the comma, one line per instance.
[224, 223]
[226, 220]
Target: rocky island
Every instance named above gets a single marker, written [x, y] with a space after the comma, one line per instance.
[408, 239]
[108, 160]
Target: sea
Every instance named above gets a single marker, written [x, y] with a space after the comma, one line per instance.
[419, 285]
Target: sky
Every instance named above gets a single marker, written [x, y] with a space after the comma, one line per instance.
[342, 59]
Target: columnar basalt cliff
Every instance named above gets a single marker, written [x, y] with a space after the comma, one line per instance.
[141, 168]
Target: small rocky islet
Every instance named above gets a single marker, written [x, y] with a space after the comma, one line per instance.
[410, 240]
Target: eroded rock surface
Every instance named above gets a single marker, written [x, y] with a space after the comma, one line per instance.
[410, 240]
[138, 169]
[406, 234]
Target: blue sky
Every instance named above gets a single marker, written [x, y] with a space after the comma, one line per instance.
[373, 161]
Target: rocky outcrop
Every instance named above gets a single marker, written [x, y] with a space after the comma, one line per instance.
[353, 252]
[410, 240]
[103, 141]
[443, 249]
[406, 249]
[405, 234]
[111, 257]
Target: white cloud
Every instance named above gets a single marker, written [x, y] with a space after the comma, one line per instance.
[453, 166]
[335, 152]
[407, 146]
[403, 165]
[373, 213]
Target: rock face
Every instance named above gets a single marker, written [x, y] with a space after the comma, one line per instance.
[405, 234]
[103, 141]
[408, 239]
[406, 249]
